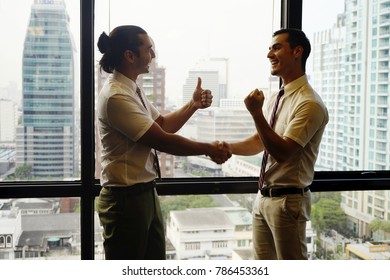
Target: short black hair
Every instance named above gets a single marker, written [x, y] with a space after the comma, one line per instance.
[297, 37]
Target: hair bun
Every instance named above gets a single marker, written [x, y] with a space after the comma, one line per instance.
[103, 43]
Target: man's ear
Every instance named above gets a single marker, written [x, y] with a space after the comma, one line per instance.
[129, 56]
[298, 51]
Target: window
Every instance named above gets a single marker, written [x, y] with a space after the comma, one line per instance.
[219, 244]
[241, 243]
[192, 246]
[216, 50]
[8, 243]
[40, 136]
[68, 174]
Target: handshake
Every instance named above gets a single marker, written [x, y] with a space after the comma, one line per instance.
[221, 152]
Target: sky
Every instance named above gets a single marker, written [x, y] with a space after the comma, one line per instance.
[184, 33]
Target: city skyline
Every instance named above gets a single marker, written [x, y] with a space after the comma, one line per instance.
[179, 47]
[326, 95]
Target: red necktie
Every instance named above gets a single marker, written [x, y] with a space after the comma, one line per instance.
[265, 154]
[156, 162]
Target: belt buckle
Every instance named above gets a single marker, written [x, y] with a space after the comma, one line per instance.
[273, 192]
[267, 192]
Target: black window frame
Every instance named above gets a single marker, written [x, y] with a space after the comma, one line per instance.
[87, 188]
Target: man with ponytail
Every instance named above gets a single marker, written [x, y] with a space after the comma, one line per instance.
[131, 129]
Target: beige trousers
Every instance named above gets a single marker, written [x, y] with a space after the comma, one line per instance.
[279, 226]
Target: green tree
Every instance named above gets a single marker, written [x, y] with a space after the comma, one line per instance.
[316, 196]
[23, 172]
[378, 224]
[375, 225]
[181, 202]
[327, 214]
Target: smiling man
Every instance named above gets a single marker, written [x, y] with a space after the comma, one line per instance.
[289, 131]
[130, 130]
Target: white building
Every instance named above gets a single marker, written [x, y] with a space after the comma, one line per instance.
[214, 75]
[328, 80]
[351, 73]
[217, 233]
[8, 122]
[201, 234]
[242, 220]
[10, 228]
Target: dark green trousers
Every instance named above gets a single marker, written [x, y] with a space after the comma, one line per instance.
[132, 223]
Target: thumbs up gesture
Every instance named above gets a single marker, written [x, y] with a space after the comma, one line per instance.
[202, 98]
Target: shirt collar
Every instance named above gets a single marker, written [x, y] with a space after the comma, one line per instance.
[294, 85]
[124, 80]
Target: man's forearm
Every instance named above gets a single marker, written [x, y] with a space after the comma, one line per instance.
[173, 121]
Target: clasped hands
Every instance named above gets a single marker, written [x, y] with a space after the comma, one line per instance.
[222, 152]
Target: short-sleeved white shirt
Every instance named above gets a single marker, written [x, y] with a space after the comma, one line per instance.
[122, 120]
[302, 117]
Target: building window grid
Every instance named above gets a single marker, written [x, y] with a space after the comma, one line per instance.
[192, 246]
[219, 244]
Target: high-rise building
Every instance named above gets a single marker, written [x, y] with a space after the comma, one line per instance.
[209, 81]
[46, 137]
[8, 121]
[153, 85]
[214, 75]
[366, 144]
[328, 79]
[351, 73]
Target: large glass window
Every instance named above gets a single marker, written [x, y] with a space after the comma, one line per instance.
[39, 91]
[216, 41]
[44, 185]
[336, 68]
[343, 37]
[39, 126]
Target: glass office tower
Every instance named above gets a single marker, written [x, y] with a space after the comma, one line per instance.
[46, 135]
